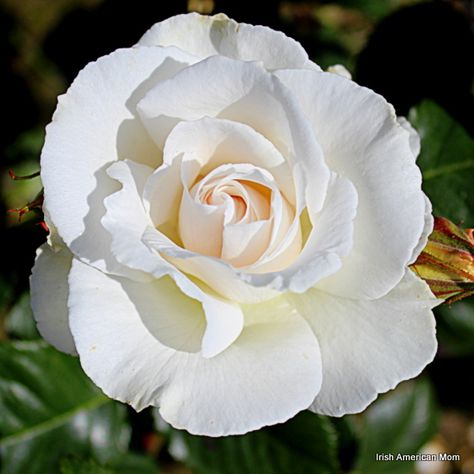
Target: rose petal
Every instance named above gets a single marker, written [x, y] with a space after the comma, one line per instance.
[285, 242]
[244, 243]
[126, 221]
[206, 36]
[95, 124]
[415, 142]
[201, 226]
[415, 145]
[125, 218]
[362, 141]
[329, 241]
[208, 225]
[427, 229]
[214, 142]
[340, 70]
[322, 255]
[49, 292]
[214, 272]
[368, 347]
[269, 374]
[243, 92]
[165, 184]
[174, 319]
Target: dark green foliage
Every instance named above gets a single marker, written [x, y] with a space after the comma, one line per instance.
[306, 444]
[447, 163]
[400, 422]
[49, 409]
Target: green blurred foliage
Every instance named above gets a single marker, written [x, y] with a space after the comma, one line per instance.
[456, 327]
[19, 323]
[447, 163]
[49, 409]
[399, 422]
[80, 466]
[305, 444]
[127, 464]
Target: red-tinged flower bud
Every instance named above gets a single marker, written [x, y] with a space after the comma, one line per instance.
[447, 261]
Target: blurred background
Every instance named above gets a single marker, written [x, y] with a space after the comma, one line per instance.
[418, 55]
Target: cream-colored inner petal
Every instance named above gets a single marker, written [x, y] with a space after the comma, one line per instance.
[233, 213]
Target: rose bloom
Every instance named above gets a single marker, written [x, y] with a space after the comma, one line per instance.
[230, 231]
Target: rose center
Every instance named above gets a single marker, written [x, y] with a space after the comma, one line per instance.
[241, 201]
[228, 214]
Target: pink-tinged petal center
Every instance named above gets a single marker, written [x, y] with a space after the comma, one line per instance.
[231, 213]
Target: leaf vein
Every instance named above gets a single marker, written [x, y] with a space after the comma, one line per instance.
[52, 423]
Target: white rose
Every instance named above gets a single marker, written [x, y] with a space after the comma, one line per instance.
[236, 229]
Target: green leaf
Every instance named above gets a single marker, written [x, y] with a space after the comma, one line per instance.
[136, 464]
[130, 463]
[400, 422]
[446, 161]
[348, 441]
[20, 322]
[306, 444]
[375, 10]
[49, 409]
[80, 466]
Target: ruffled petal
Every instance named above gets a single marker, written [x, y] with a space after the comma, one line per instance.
[415, 142]
[368, 347]
[270, 373]
[218, 275]
[49, 293]
[126, 220]
[213, 142]
[242, 92]
[94, 125]
[206, 36]
[329, 241]
[427, 229]
[244, 243]
[362, 141]
[200, 227]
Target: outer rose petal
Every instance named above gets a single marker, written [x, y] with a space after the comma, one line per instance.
[415, 146]
[49, 292]
[95, 124]
[362, 141]
[340, 70]
[415, 142]
[368, 347]
[206, 36]
[269, 374]
[427, 229]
